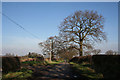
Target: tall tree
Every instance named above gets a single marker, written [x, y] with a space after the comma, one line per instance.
[83, 28]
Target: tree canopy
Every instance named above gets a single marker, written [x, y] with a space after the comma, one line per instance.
[83, 28]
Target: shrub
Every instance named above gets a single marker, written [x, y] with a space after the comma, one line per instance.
[82, 59]
[10, 64]
[40, 58]
[74, 59]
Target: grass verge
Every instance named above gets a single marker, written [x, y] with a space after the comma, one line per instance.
[53, 62]
[85, 69]
[31, 63]
[22, 74]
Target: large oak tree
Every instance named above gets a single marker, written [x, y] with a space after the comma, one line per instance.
[83, 28]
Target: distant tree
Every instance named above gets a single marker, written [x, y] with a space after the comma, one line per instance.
[109, 52]
[115, 53]
[83, 28]
[87, 53]
[68, 54]
[34, 55]
[96, 51]
[9, 55]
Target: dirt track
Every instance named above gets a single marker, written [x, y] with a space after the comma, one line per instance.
[62, 71]
[56, 72]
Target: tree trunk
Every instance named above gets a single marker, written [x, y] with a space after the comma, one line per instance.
[81, 49]
[52, 57]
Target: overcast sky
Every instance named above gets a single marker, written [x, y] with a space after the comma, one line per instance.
[43, 19]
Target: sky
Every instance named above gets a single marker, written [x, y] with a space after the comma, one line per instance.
[43, 19]
[60, 0]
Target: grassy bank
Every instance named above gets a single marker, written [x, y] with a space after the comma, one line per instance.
[86, 70]
[22, 74]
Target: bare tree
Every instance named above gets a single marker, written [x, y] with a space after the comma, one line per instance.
[83, 28]
[53, 45]
[109, 52]
[96, 51]
[68, 53]
[9, 55]
[115, 52]
[47, 46]
[87, 53]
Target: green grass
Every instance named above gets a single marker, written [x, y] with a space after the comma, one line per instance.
[32, 62]
[53, 62]
[22, 74]
[85, 70]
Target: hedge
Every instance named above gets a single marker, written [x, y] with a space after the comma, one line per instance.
[108, 65]
[40, 58]
[82, 59]
[10, 64]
